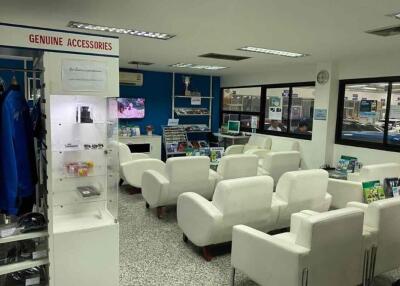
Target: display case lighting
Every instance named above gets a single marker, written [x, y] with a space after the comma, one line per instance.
[199, 67]
[132, 32]
[272, 52]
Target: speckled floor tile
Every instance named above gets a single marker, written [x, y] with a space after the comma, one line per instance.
[152, 251]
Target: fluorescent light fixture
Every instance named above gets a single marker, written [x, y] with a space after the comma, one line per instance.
[370, 88]
[397, 15]
[132, 32]
[195, 66]
[272, 52]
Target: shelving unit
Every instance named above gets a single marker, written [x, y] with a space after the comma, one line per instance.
[24, 236]
[209, 98]
[14, 267]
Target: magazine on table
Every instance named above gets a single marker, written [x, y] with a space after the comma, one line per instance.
[373, 191]
[216, 154]
[391, 187]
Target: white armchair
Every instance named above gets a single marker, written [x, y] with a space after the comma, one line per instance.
[181, 174]
[236, 201]
[322, 249]
[343, 191]
[237, 166]
[301, 190]
[256, 143]
[279, 146]
[275, 164]
[133, 165]
[382, 225]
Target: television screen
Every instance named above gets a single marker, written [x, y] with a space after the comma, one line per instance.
[130, 107]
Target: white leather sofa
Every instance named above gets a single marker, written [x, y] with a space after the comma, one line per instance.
[236, 201]
[181, 174]
[343, 191]
[256, 142]
[381, 224]
[275, 164]
[237, 166]
[322, 249]
[132, 165]
[301, 190]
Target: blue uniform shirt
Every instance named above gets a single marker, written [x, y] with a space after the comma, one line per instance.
[17, 158]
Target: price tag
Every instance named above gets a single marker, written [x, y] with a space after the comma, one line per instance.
[196, 100]
[32, 281]
[7, 232]
[39, 254]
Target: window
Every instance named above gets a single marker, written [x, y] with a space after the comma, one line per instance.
[281, 109]
[241, 104]
[369, 113]
[276, 109]
[302, 110]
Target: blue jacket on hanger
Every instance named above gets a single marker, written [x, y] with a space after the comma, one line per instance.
[17, 158]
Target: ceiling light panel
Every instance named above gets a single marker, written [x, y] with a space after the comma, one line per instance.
[132, 32]
[199, 67]
[272, 52]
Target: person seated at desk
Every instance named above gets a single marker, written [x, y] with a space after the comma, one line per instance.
[302, 128]
[274, 126]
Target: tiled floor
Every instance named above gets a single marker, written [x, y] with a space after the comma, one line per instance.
[152, 251]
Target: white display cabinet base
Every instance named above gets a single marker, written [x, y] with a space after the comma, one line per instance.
[81, 258]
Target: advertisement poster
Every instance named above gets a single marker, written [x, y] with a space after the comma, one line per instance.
[81, 75]
[254, 122]
[275, 108]
[320, 114]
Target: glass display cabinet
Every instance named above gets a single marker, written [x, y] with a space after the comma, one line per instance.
[84, 132]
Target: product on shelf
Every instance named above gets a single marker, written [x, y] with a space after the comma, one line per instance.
[196, 128]
[80, 169]
[83, 114]
[373, 191]
[191, 111]
[88, 191]
[182, 146]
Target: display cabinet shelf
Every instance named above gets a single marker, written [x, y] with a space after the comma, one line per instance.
[191, 96]
[14, 267]
[192, 115]
[23, 236]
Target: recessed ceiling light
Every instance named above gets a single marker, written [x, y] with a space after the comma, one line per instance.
[140, 63]
[132, 32]
[272, 52]
[195, 66]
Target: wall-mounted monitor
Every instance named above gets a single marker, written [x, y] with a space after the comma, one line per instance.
[130, 107]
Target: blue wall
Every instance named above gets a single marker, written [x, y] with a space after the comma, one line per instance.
[157, 91]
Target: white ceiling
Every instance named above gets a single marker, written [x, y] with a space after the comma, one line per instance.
[326, 29]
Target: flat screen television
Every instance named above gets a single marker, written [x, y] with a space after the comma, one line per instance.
[130, 107]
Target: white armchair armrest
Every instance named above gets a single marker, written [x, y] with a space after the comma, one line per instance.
[354, 177]
[260, 153]
[132, 171]
[343, 192]
[234, 149]
[154, 188]
[265, 258]
[197, 217]
[358, 205]
[138, 156]
[296, 218]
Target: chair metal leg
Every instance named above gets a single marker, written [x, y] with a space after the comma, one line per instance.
[372, 264]
[233, 272]
[365, 268]
[304, 278]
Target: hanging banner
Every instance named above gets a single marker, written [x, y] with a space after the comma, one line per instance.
[79, 75]
[12, 35]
